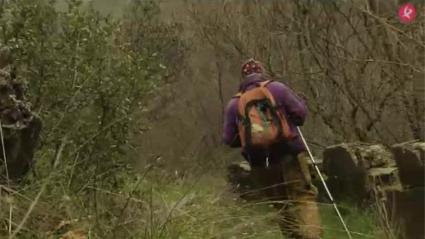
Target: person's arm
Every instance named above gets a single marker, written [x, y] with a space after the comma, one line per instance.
[293, 105]
[230, 127]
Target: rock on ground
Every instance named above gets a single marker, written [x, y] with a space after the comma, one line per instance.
[239, 176]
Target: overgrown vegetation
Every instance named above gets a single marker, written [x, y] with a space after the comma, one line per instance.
[88, 79]
[338, 55]
[107, 88]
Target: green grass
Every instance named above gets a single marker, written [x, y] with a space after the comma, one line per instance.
[211, 211]
[360, 224]
[203, 207]
[164, 206]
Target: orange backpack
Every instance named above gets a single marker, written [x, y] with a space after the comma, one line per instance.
[261, 124]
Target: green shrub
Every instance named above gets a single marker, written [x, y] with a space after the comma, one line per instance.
[89, 77]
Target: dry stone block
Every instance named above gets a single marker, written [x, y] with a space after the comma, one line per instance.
[382, 178]
[406, 207]
[349, 169]
[410, 157]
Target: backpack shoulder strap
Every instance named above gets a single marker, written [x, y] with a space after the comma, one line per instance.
[266, 92]
[261, 84]
[264, 83]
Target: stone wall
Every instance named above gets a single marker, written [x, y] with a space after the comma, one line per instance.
[355, 170]
[367, 174]
[374, 174]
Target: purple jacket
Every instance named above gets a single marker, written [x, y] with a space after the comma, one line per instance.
[294, 108]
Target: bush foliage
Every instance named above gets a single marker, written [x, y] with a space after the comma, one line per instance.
[88, 77]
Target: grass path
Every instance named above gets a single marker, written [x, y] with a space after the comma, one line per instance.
[163, 206]
[205, 208]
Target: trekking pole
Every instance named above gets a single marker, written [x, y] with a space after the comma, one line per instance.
[324, 183]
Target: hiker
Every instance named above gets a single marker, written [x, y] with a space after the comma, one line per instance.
[262, 120]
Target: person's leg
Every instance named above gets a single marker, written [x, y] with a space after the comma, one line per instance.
[268, 180]
[300, 216]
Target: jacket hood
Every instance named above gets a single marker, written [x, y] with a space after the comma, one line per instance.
[249, 81]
